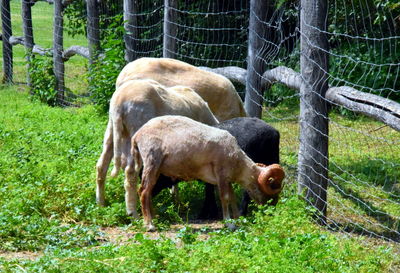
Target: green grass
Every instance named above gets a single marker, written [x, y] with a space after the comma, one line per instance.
[47, 194]
[287, 243]
[42, 22]
[364, 167]
[47, 203]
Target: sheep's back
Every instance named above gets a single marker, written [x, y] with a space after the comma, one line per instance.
[216, 90]
[188, 148]
[145, 99]
[256, 138]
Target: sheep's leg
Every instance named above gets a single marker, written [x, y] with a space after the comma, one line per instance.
[209, 209]
[130, 189]
[102, 165]
[149, 179]
[175, 193]
[234, 206]
[231, 201]
[118, 144]
[126, 151]
[227, 198]
[245, 203]
[162, 183]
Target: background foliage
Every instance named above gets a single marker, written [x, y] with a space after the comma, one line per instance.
[43, 79]
[103, 73]
[195, 43]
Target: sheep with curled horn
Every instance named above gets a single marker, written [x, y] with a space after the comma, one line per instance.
[182, 148]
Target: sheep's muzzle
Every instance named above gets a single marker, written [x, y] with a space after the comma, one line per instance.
[270, 179]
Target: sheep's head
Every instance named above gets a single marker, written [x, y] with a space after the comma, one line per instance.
[270, 179]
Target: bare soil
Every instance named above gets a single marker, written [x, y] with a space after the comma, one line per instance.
[118, 235]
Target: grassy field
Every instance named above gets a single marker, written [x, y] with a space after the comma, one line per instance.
[42, 23]
[364, 169]
[48, 211]
[49, 221]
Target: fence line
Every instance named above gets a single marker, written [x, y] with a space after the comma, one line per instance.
[259, 46]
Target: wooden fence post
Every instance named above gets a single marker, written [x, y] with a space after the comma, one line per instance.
[170, 29]
[58, 63]
[131, 33]
[255, 65]
[7, 47]
[28, 33]
[313, 151]
[93, 29]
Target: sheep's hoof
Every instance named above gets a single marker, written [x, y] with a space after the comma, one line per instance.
[151, 228]
[231, 226]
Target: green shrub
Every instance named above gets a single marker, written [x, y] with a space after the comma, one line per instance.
[104, 71]
[42, 79]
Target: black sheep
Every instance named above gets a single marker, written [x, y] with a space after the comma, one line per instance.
[257, 139]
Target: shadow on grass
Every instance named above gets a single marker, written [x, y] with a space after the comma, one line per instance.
[358, 229]
[376, 173]
[385, 226]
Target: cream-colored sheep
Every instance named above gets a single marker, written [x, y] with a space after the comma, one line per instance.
[181, 148]
[216, 90]
[132, 105]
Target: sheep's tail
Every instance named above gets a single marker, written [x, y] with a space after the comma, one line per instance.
[117, 140]
[136, 156]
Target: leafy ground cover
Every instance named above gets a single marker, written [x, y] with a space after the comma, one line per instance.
[42, 21]
[49, 221]
[47, 207]
[364, 169]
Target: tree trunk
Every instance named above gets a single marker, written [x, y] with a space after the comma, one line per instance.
[93, 29]
[384, 110]
[170, 28]
[28, 34]
[313, 152]
[255, 65]
[131, 33]
[7, 47]
[58, 63]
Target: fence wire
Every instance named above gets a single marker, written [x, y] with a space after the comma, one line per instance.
[363, 53]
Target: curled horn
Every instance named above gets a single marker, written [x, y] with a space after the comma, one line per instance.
[270, 179]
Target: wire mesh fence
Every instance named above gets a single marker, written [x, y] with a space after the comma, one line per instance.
[356, 60]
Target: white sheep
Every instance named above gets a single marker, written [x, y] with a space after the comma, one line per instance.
[184, 149]
[132, 105]
[216, 90]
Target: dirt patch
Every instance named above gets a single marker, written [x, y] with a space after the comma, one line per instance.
[120, 235]
[26, 255]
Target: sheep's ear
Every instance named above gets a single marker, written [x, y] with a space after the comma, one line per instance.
[272, 174]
